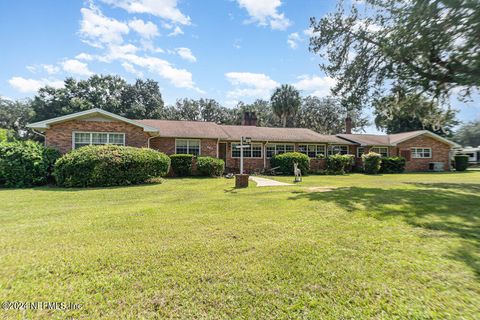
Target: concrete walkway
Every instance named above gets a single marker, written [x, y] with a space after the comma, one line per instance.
[263, 182]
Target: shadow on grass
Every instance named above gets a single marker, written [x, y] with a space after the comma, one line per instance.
[451, 208]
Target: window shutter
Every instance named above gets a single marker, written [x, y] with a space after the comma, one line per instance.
[406, 154]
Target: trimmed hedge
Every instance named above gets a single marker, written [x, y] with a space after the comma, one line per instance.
[461, 162]
[181, 164]
[339, 164]
[392, 165]
[212, 167]
[25, 164]
[371, 162]
[285, 162]
[109, 165]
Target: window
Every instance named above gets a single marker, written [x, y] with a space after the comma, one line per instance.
[360, 152]
[187, 146]
[383, 151]
[312, 150]
[421, 153]
[81, 139]
[337, 149]
[253, 151]
[273, 149]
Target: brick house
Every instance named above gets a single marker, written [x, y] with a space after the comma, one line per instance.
[96, 127]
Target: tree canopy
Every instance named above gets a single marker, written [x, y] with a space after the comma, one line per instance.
[285, 102]
[426, 46]
[401, 111]
[468, 134]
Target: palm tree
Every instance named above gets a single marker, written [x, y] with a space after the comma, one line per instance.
[285, 102]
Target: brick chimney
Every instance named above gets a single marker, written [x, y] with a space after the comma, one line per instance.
[249, 119]
[348, 125]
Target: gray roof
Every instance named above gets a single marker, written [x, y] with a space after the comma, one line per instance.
[392, 139]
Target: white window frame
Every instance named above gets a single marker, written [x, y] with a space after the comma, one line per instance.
[414, 152]
[316, 149]
[278, 144]
[358, 153]
[232, 147]
[91, 137]
[188, 145]
[337, 145]
[371, 150]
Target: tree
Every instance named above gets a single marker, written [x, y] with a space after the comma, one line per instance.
[326, 116]
[429, 46]
[14, 116]
[111, 93]
[199, 110]
[468, 134]
[285, 102]
[401, 111]
[263, 112]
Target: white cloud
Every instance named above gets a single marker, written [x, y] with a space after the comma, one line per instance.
[51, 69]
[97, 29]
[247, 84]
[308, 32]
[165, 9]
[145, 30]
[293, 40]
[177, 31]
[76, 67]
[32, 85]
[186, 53]
[84, 56]
[130, 68]
[315, 85]
[265, 12]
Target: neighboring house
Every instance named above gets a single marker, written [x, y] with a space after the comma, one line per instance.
[472, 153]
[97, 127]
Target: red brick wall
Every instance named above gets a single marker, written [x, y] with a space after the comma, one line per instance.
[59, 136]
[440, 153]
[208, 147]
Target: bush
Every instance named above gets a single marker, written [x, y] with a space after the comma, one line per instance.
[392, 165]
[461, 162]
[7, 135]
[109, 165]
[25, 163]
[339, 164]
[285, 162]
[181, 164]
[208, 166]
[371, 162]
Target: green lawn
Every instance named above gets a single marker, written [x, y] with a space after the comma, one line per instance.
[392, 246]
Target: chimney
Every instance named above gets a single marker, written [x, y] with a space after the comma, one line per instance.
[249, 119]
[348, 125]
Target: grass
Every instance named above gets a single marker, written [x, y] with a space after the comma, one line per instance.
[392, 246]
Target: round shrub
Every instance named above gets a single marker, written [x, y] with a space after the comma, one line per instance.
[25, 163]
[339, 164]
[392, 165]
[208, 166]
[461, 162]
[285, 162]
[181, 164]
[109, 165]
[371, 162]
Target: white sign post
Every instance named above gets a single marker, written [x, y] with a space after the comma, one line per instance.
[241, 147]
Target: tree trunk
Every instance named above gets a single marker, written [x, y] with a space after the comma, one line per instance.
[284, 120]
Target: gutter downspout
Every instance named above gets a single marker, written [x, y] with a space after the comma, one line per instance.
[265, 155]
[150, 138]
[44, 137]
[218, 143]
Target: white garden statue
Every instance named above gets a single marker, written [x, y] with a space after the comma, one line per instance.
[297, 172]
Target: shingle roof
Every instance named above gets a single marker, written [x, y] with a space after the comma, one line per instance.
[367, 139]
[278, 134]
[186, 129]
[211, 130]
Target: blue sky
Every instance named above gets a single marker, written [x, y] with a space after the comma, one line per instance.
[229, 50]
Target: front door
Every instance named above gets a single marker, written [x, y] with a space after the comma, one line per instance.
[222, 151]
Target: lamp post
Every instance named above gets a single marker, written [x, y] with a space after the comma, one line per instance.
[241, 180]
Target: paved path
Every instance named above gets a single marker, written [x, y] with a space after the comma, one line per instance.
[263, 182]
